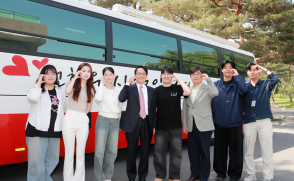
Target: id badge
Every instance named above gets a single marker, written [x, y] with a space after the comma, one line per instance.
[253, 103]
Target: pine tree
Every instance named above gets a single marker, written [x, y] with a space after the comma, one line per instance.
[263, 27]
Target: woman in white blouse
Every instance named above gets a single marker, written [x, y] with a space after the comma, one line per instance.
[107, 126]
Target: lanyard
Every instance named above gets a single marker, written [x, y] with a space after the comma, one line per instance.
[255, 92]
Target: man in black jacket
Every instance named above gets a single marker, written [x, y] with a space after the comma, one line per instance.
[138, 120]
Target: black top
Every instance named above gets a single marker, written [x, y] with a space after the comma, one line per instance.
[169, 107]
[31, 131]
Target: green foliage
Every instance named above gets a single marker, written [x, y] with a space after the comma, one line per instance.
[286, 75]
[263, 27]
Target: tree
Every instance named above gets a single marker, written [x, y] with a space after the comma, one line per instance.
[109, 3]
[285, 73]
[263, 27]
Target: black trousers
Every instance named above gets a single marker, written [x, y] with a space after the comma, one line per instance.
[173, 137]
[199, 153]
[228, 141]
[141, 130]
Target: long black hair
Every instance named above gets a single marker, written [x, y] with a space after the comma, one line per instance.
[44, 70]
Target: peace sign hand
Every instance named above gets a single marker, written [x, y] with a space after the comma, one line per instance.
[77, 75]
[130, 81]
[235, 72]
[204, 76]
[260, 69]
[40, 79]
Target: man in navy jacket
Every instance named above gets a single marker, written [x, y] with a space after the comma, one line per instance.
[257, 120]
[227, 110]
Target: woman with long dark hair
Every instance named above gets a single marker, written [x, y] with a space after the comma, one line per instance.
[80, 92]
[43, 128]
[107, 126]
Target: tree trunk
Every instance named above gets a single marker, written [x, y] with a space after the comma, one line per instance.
[290, 95]
[273, 96]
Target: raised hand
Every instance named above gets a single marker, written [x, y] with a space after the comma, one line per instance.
[102, 80]
[130, 81]
[235, 72]
[176, 78]
[204, 76]
[77, 75]
[260, 69]
[40, 80]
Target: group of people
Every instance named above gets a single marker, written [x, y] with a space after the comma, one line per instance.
[223, 106]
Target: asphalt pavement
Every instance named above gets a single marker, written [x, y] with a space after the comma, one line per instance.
[283, 138]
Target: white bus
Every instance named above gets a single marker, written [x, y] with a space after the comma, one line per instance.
[65, 33]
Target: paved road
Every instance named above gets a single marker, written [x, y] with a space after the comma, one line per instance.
[283, 158]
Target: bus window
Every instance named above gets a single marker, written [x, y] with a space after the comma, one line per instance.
[43, 45]
[241, 63]
[39, 19]
[211, 71]
[199, 54]
[138, 40]
[137, 59]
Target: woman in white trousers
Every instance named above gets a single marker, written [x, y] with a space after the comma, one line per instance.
[76, 122]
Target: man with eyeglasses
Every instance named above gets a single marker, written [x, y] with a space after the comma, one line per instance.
[257, 120]
[138, 121]
[169, 125]
[198, 123]
[227, 110]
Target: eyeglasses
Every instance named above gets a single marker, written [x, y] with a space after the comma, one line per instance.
[226, 68]
[166, 74]
[196, 75]
[141, 74]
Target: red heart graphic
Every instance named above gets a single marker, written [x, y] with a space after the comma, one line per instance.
[21, 68]
[39, 64]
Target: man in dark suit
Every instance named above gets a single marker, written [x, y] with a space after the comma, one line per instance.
[139, 120]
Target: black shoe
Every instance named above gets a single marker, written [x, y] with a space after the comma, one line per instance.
[142, 179]
[131, 179]
[234, 179]
[219, 178]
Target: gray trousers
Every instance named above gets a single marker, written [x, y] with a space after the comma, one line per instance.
[43, 157]
[106, 142]
[161, 146]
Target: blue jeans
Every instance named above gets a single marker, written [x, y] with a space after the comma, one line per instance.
[106, 142]
[43, 157]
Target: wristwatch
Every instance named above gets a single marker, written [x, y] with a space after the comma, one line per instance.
[266, 70]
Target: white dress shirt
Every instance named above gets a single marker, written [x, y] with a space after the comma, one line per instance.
[145, 94]
[195, 90]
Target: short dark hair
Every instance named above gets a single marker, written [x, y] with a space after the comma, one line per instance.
[167, 69]
[143, 67]
[248, 66]
[230, 62]
[195, 69]
[107, 68]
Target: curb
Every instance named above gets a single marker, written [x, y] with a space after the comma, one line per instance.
[282, 108]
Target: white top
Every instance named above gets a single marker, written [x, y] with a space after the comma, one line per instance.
[40, 108]
[108, 106]
[195, 91]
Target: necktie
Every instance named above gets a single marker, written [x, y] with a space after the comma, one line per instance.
[142, 104]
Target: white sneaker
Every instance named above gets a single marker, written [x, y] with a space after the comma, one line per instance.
[250, 177]
[266, 180]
